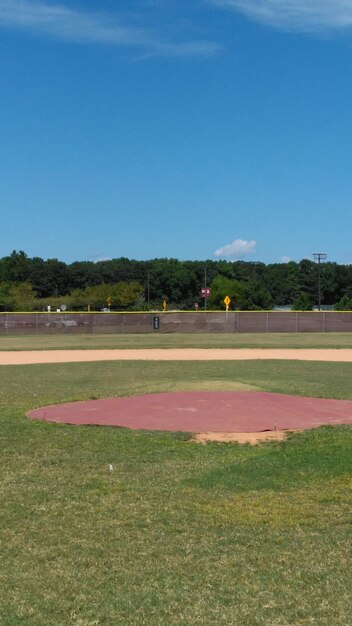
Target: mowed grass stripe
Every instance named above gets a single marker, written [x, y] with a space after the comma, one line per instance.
[68, 340]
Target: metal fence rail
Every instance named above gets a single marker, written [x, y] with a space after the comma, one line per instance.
[13, 324]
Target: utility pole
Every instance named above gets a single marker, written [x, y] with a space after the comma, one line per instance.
[318, 256]
[148, 289]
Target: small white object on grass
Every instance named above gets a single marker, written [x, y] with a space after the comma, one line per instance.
[111, 467]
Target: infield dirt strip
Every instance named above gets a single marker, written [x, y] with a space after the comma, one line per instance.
[174, 354]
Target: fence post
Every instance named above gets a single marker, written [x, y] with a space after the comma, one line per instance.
[296, 321]
[267, 322]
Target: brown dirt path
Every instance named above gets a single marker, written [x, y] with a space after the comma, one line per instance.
[175, 354]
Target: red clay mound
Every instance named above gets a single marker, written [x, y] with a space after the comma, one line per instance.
[196, 412]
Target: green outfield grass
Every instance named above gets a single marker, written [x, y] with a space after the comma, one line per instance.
[155, 340]
[177, 533]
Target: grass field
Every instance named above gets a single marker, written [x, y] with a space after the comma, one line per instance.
[128, 341]
[177, 533]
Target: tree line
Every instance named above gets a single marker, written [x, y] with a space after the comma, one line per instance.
[126, 284]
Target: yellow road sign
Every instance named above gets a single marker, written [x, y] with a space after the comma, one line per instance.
[227, 301]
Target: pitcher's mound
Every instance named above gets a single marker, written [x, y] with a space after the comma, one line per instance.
[201, 412]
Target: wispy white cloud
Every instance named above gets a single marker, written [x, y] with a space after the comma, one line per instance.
[100, 259]
[300, 15]
[286, 259]
[60, 21]
[238, 248]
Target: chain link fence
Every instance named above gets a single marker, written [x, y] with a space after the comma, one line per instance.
[13, 324]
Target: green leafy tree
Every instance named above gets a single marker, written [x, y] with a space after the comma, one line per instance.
[282, 281]
[122, 296]
[308, 278]
[17, 297]
[255, 297]
[83, 274]
[329, 282]
[221, 287]
[16, 267]
[304, 302]
[344, 304]
[49, 278]
[180, 282]
[6, 301]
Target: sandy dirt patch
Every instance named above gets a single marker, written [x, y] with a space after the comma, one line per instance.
[175, 354]
[251, 438]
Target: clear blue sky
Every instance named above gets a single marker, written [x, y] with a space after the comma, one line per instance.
[194, 129]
